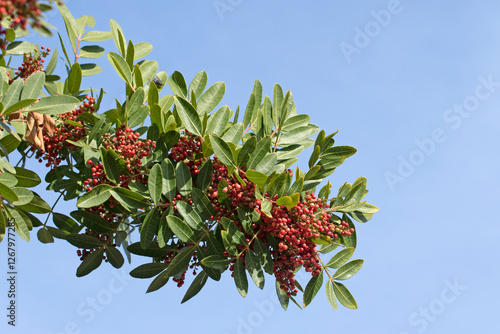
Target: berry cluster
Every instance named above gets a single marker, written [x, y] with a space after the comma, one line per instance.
[32, 63]
[288, 232]
[294, 229]
[57, 147]
[20, 12]
[127, 145]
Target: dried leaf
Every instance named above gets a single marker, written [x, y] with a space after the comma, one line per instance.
[15, 115]
[48, 125]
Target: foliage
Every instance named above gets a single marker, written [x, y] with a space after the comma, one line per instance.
[207, 189]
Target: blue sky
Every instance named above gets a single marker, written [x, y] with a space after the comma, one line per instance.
[419, 99]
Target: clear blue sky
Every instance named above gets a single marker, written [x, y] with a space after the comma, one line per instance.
[418, 94]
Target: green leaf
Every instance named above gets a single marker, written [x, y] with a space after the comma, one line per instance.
[74, 79]
[282, 296]
[228, 243]
[110, 165]
[158, 282]
[63, 222]
[19, 48]
[8, 193]
[135, 101]
[97, 36]
[33, 86]
[128, 198]
[117, 34]
[340, 258]
[155, 183]
[211, 98]
[218, 121]
[264, 255]
[90, 69]
[199, 83]
[234, 134]
[312, 288]
[349, 241]
[235, 233]
[24, 196]
[344, 296]
[284, 200]
[13, 93]
[256, 177]
[335, 156]
[204, 178]
[214, 274]
[181, 261]
[148, 69]
[190, 216]
[37, 205]
[189, 117]
[148, 270]
[149, 227]
[295, 122]
[137, 116]
[249, 110]
[294, 136]
[183, 179]
[153, 250]
[8, 179]
[267, 164]
[114, 256]
[325, 249]
[348, 270]
[84, 241]
[142, 49]
[44, 236]
[222, 151]
[51, 66]
[356, 194]
[26, 178]
[164, 232]
[91, 51]
[202, 204]
[178, 85]
[18, 106]
[153, 94]
[121, 67]
[216, 262]
[90, 263]
[246, 150]
[330, 294]
[255, 270]
[240, 278]
[95, 197]
[263, 147]
[169, 185]
[54, 105]
[70, 23]
[195, 287]
[277, 100]
[6, 166]
[22, 225]
[181, 229]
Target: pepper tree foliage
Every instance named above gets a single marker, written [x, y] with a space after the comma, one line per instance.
[208, 190]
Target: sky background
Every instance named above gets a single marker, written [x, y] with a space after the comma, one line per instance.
[391, 88]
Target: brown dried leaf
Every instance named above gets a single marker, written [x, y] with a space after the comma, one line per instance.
[48, 125]
[15, 115]
[34, 133]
